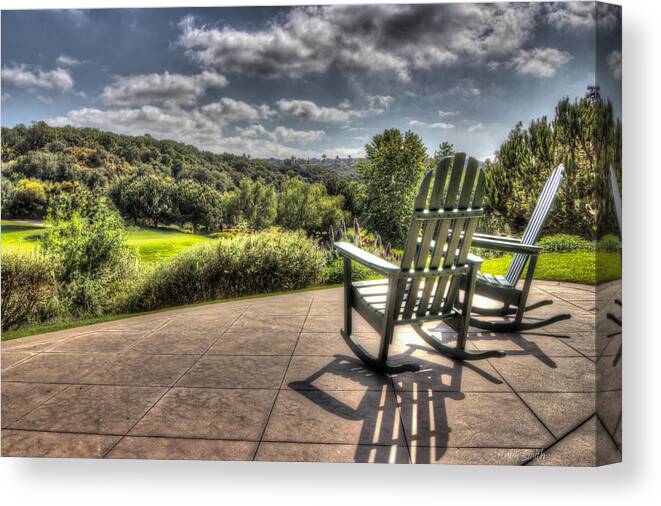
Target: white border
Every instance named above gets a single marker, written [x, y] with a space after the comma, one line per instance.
[69, 482]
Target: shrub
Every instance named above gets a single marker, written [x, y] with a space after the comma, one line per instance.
[334, 272]
[264, 262]
[253, 203]
[87, 242]
[609, 244]
[30, 199]
[564, 243]
[27, 283]
[308, 207]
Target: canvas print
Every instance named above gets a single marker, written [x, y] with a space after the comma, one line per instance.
[342, 233]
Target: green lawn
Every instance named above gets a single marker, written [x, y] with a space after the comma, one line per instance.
[156, 244]
[151, 244]
[19, 236]
[577, 267]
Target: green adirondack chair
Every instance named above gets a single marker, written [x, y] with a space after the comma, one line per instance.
[504, 288]
[435, 265]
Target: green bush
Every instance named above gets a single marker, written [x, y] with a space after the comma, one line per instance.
[92, 262]
[264, 262]
[564, 243]
[253, 203]
[334, 272]
[27, 284]
[610, 244]
[308, 207]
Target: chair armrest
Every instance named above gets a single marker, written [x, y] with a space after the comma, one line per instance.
[477, 236]
[507, 246]
[365, 258]
[474, 260]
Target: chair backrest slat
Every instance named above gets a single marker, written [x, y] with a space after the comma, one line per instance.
[536, 223]
[436, 239]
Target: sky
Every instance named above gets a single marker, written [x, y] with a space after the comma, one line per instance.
[305, 81]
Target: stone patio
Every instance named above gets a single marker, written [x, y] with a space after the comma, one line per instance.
[271, 379]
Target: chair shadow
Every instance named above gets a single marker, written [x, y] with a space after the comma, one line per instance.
[411, 423]
[528, 346]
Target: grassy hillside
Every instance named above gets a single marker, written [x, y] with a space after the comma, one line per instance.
[151, 244]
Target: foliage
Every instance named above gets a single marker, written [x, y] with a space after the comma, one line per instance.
[28, 199]
[145, 199]
[308, 207]
[444, 150]
[253, 203]
[334, 272]
[197, 204]
[609, 243]
[564, 243]
[583, 136]
[392, 171]
[86, 240]
[264, 262]
[97, 158]
[27, 283]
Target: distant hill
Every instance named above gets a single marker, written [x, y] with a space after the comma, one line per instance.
[96, 157]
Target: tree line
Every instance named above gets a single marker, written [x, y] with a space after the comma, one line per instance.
[154, 182]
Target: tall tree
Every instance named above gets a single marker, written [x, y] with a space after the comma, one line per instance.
[445, 149]
[392, 171]
[586, 138]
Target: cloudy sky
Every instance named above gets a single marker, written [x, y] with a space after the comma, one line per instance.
[302, 81]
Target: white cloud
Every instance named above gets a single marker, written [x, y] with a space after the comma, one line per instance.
[309, 111]
[202, 127]
[466, 89]
[445, 114]
[44, 99]
[477, 127]
[67, 61]
[175, 123]
[282, 134]
[541, 63]
[154, 88]
[19, 75]
[380, 103]
[440, 125]
[392, 39]
[615, 63]
[573, 15]
[228, 110]
[582, 15]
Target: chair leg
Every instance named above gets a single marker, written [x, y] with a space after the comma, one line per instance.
[515, 326]
[518, 324]
[460, 325]
[496, 311]
[380, 364]
[454, 352]
[377, 364]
